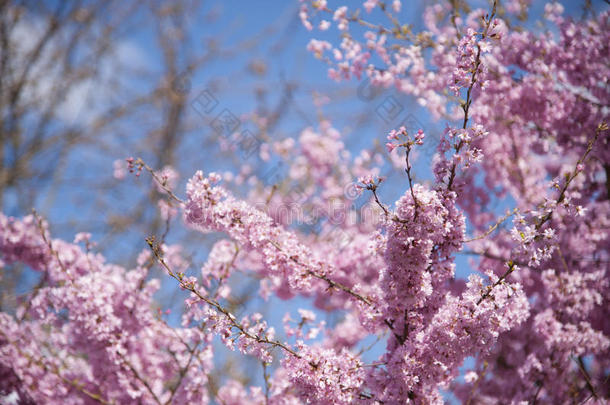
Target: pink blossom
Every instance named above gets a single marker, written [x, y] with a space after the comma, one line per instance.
[369, 5]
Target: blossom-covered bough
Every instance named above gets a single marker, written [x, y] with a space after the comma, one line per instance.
[530, 110]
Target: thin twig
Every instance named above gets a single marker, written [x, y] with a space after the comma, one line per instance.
[331, 283]
[138, 377]
[466, 104]
[48, 242]
[583, 370]
[571, 176]
[230, 317]
[493, 227]
[139, 163]
[511, 268]
[267, 382]
[385, 210]
[408, 171]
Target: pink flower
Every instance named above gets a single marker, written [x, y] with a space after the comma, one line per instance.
[340, 13]
[393, 135]
[120, 169]
[324, 25]
[396, 5]
[369, 5]
[318, 47]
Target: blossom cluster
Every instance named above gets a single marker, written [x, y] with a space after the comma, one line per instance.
[88, 334]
